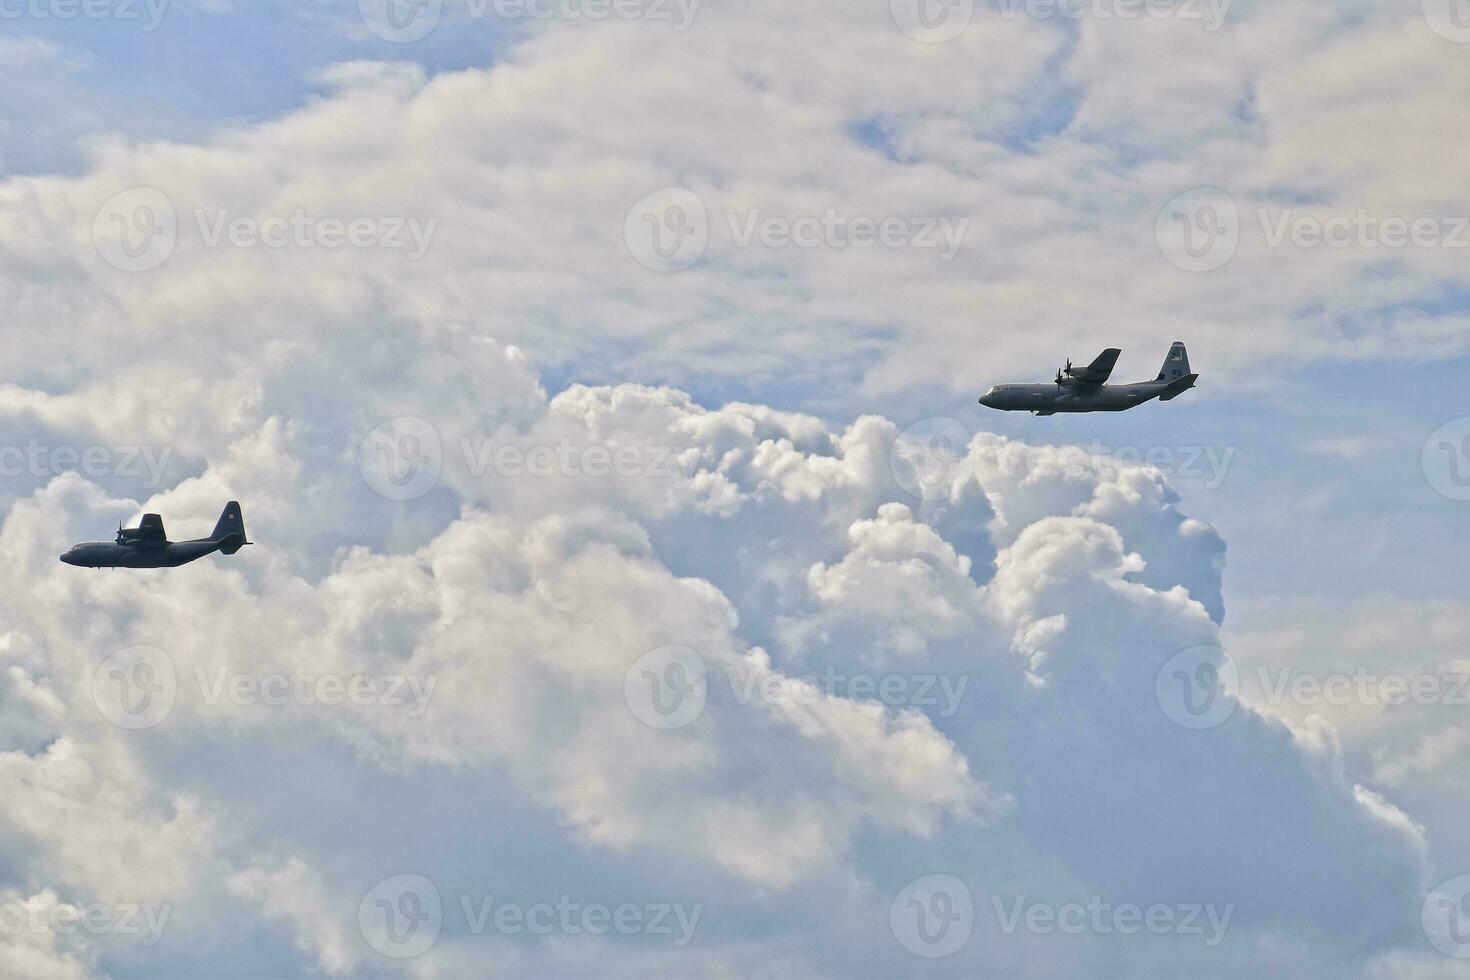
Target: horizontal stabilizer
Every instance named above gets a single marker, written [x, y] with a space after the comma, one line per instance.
[1178, 388]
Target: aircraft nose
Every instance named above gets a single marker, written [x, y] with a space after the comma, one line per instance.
[69, 558]
[987, 400]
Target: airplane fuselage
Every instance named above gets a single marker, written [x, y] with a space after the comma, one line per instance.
[1051, 398]
[106, 554]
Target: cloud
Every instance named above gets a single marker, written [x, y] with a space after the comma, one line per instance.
[294, 892]
[496, 158]
[507, 639]
[34, 947]
[1350, 448]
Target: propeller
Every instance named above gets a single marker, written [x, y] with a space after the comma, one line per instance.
[1069, 365]
[119, 532]
[1059, 377]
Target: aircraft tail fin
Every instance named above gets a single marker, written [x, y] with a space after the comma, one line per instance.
[1176, 365]
[230, 531]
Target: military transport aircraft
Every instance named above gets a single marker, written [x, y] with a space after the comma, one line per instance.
[1086, 389]
[145, 546]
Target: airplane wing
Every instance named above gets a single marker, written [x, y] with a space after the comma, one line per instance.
[151, 528]
[1099, 371]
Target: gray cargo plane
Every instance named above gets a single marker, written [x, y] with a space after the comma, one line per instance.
[145, 546]
[1086, 389]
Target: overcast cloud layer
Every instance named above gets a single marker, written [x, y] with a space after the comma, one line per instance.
[561, 651]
